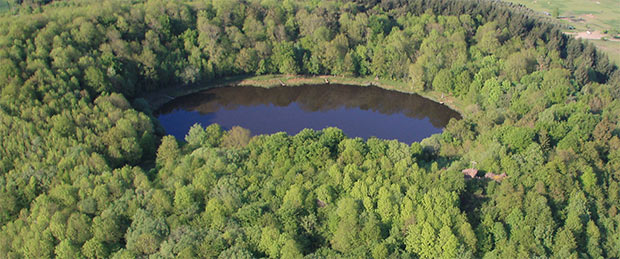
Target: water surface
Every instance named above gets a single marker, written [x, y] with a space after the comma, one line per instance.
[359, 111]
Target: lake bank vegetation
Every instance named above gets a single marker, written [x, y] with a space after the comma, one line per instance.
[86, 171]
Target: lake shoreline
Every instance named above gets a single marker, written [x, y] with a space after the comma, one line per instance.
[160, 97]
[358, 111]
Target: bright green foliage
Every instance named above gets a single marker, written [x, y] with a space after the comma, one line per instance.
[86, 172]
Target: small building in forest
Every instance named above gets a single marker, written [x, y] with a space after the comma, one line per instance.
[470, 173]
[495, 177]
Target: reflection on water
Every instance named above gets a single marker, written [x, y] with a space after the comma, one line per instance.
[358, 111]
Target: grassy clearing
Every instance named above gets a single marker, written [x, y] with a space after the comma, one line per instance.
[585, 15]
[612, 48]
[159, 98]
[598, 15]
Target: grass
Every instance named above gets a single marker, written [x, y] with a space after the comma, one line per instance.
[585, 15]
[598, 15]
[612, 48]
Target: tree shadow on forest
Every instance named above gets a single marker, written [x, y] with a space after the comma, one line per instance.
[472, 199]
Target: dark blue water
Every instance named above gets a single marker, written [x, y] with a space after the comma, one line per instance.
[359, 111]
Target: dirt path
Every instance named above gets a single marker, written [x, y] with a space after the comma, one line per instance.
[592, 35]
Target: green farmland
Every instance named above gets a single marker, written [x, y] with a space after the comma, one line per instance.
[600, 17]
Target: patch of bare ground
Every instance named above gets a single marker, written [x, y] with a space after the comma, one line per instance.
[592, 35]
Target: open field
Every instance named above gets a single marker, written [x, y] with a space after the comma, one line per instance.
[600, 17]
[584, 15]
[612, 48]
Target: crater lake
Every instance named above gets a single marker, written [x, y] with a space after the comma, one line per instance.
[360, 111]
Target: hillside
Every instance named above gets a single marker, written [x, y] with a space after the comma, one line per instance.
[531, 170]
[597, 21]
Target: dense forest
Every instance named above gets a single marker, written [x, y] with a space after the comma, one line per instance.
[86, 171]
